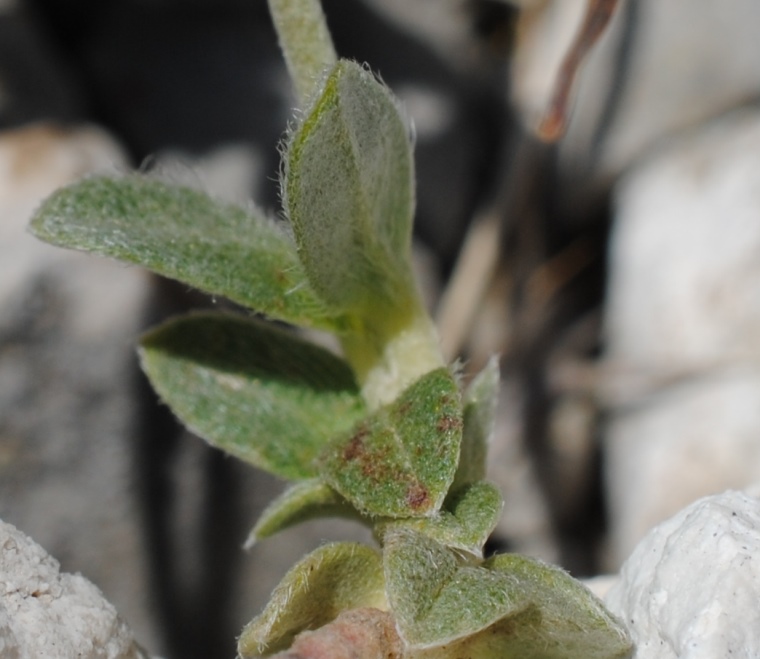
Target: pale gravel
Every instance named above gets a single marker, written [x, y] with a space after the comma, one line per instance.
[691, 587]
[50, 614]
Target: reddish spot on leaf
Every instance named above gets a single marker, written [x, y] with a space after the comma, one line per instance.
[404, 409]
[448, 423]
[355, 447]
[417, 496]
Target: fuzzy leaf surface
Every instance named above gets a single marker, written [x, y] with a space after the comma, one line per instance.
[299, 503]
[564, 621]
[349, 194]
[401, 460]
[438, 597]
[256, 391]
[184, 234]
[464, 523]
[333, 578]
[480, 400]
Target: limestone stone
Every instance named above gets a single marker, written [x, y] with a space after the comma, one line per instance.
[690, 588]
[53, 614]
[682, 326]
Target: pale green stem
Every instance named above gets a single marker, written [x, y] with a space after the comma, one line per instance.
[404, 356]
[408, 356]
[305, 42]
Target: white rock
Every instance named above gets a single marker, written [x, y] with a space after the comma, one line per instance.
[46, 613]
[676, 447]
[690, 589]
[682, 327]
[684, 285]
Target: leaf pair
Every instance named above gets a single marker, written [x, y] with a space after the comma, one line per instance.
[507, 606]
[259, 392]
[349, 194]
[292, 408]
[445, 607]
[472, 506]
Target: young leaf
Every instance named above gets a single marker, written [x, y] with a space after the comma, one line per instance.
[400, 460]
[300, 503]
[332, 579]
[480, 401]
[348, 191]
[565, 621]
[465, 522]
[183, 234]
[574, 622]
[508, 606]
[437, 597]
[254, 390]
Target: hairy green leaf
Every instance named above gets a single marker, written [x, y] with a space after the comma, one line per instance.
[574, 624]
[256, 391]
[332, 579]
[437, 596]
[480, 401]
[564, 621]
[349, 194]
[508, 606]
[299, 503]
[464, 523]
[400, 460]
[183, 234]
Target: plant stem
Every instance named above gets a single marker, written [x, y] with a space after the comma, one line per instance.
[387, 366]
[305, 42]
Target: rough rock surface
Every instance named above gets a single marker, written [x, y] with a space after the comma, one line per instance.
[691, 587]
[47, 613]
[682, 327]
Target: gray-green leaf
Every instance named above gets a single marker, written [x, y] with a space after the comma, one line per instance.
[400, 460]
[508, 606]
[332, 579]
[574, 623]
[564, 621]
[256, 391]
[465, 522]
[349, 194]
[480, 400]
[299, 503]
[437, 596]
[183, 234]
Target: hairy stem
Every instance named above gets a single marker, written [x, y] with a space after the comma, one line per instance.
[392, 362]
[305, 41]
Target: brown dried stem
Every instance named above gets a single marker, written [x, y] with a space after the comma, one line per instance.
[598, 15]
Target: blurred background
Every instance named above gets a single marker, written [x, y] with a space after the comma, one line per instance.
[616, 273]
